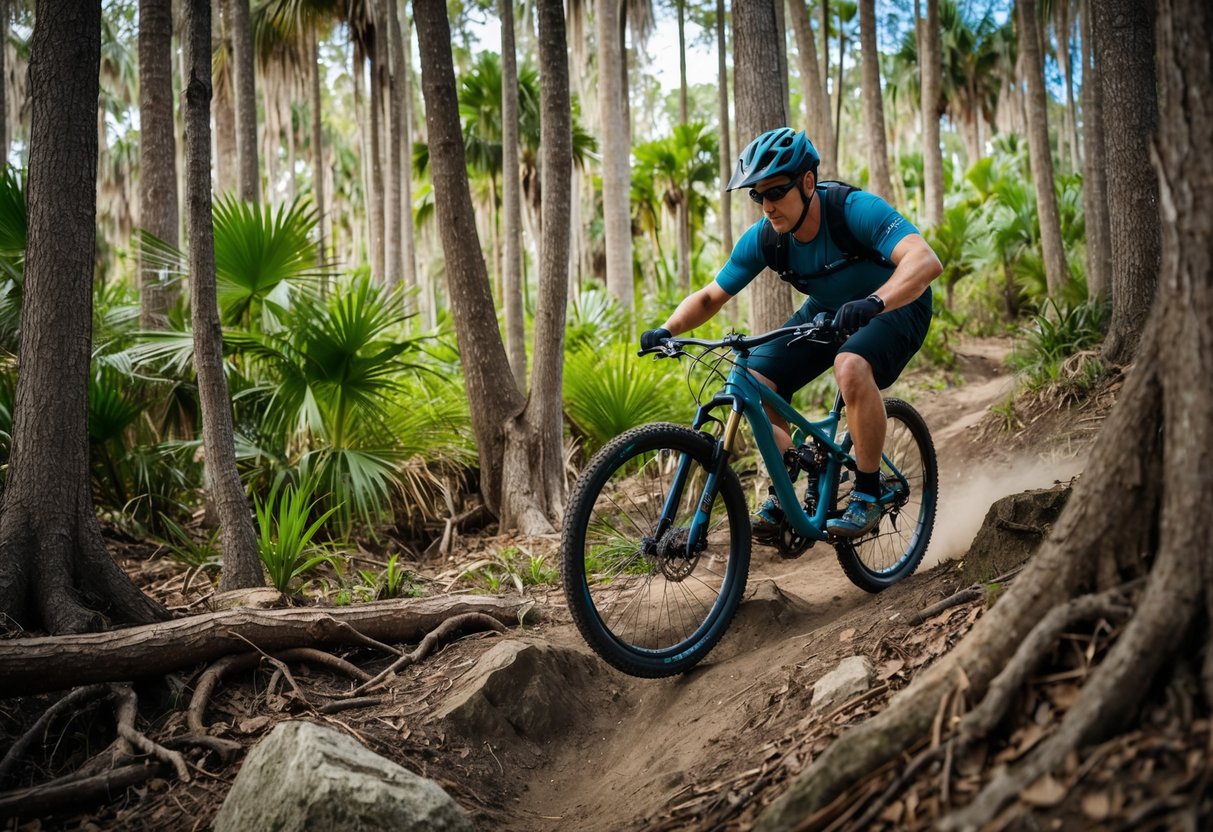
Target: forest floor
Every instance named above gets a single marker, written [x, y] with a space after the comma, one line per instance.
[571, 744]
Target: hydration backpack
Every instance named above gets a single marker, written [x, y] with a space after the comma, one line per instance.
[775, 245]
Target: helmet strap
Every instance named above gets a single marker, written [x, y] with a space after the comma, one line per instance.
[807, 200]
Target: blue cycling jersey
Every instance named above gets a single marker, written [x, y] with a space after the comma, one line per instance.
[872, 221]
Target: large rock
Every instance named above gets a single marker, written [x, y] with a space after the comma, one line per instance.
[307, 777]
[523, 689]
[853, 676]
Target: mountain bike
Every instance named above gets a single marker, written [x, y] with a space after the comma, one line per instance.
[656, 543]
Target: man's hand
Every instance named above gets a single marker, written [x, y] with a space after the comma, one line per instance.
[652, 338]
[853, 315]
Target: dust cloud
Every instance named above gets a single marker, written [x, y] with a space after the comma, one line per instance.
[964, 501]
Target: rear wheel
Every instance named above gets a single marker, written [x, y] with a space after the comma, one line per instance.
[894, 549]
[646, 598]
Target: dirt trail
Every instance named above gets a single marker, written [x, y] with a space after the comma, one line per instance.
[625, 763]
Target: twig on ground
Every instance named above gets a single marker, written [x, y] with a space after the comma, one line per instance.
[973, 593]
[468, 622]
[349, 704]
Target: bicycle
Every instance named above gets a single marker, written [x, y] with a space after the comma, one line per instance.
[655, 550]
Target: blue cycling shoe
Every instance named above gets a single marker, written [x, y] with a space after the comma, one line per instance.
[767, 520]
[862, 515]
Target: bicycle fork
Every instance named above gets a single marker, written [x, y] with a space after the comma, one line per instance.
[697, 534]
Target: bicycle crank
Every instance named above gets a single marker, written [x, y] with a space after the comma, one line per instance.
[790, 544]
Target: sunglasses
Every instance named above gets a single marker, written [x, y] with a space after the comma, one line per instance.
[774, 194]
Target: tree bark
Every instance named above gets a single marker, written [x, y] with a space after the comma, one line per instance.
[223, 104]
[1094, 171]
[1124, 53]
[817, 103]
[616, 154]
[244, 77]
[511, 201]
[37, 665]
[507, 451]
[930, 62]
[408, 244]
[873, 104]
[5, 132]
[682, 61]
[394, 116]
[322, 213]
[1065, 28]
[241, 562]
[758, 93]
[52, 558]
[157, 152]
[1057, 272]
[377, 194]
[726, 151]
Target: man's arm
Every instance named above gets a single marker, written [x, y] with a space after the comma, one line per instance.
[697, 308]
[917, 266]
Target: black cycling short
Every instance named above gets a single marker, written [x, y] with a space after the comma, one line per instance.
[887, 343]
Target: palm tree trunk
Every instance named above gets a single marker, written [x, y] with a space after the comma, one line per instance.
[223, 104]
[932, 153]
[377, 197]
[873, 103]
[1124, 53]
[781, 54]
[682, 61]
[817, 104]
[758, 93]
[318, 168]
[726, 152]
[616, 154]
[241, 563]
[1057, 272]
[1094, 170]
[395, 117]
[246, 100]
[5, 134]
[1069, 126]
[842, 52]
[157, 151]
[511, 187]
[408, 248]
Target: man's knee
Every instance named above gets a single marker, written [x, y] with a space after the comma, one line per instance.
[853, 374]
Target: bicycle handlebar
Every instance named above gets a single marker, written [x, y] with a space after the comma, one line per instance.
[821, 330]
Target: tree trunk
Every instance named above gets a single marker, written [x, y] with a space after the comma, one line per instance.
[1064, 30]
[1094, 171]
[932, 108]
[781, 54]
[53, 560]
[377, 195]
[243, 75]
[241, 563]
[1057, 272]
[1130, 515]
[37, 665]
[544, 411]
[157, 152]
[511, 198]
[616, 155]
[5, 133]
[408, 249]
[873, 103]
[758, 93]
[390, 75]
[318, 194]
[817, 103]
[726, 151]
[507, 450]
[682, 62]
[842, 51]
[1124, 53]
[223, 103]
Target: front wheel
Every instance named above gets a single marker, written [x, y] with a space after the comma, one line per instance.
[646, 597]
[894, 549]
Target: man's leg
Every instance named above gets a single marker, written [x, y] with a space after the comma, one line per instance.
[865, 409]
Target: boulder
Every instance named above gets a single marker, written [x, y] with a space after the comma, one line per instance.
[853, 676]
[305, 776]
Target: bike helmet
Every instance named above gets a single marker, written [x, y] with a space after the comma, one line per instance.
[781, 151]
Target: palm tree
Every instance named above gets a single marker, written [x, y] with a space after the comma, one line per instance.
[1056, 270]
[616, 141]
[726, 153]
[246, 99]
[932, 108]
[873, 103]
[515, 323]
[817, 103]
[157, 150]
[1094, 171]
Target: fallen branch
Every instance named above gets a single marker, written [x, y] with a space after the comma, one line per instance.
[349, 704]
[71, 701]
[973, 593]
[35, 665]
[468, 623]
[58, 796]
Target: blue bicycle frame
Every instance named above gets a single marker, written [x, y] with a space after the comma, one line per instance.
[745, 396]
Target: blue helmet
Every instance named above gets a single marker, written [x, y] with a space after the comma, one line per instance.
[781, 151]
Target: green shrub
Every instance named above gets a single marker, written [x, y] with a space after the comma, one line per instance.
[285, 540]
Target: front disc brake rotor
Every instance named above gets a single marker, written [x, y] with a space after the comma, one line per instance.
[672, 555]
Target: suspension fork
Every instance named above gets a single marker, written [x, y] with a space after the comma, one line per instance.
[697, 535]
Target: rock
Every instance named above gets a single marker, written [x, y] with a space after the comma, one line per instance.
[522, 689]
[305, 777]
[1013, 530]
[257, 598]
[852, 677]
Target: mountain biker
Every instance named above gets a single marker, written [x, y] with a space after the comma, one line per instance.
[881, 298]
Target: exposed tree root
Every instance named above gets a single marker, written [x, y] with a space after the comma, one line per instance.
[65, 793]
[126, 707]
[71, 701]
[973, 593]
[349, 704]
[460, 624]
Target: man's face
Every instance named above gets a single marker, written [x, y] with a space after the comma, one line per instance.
[782, 209]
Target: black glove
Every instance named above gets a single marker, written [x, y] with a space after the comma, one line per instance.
[853, 315]
[651, 338]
